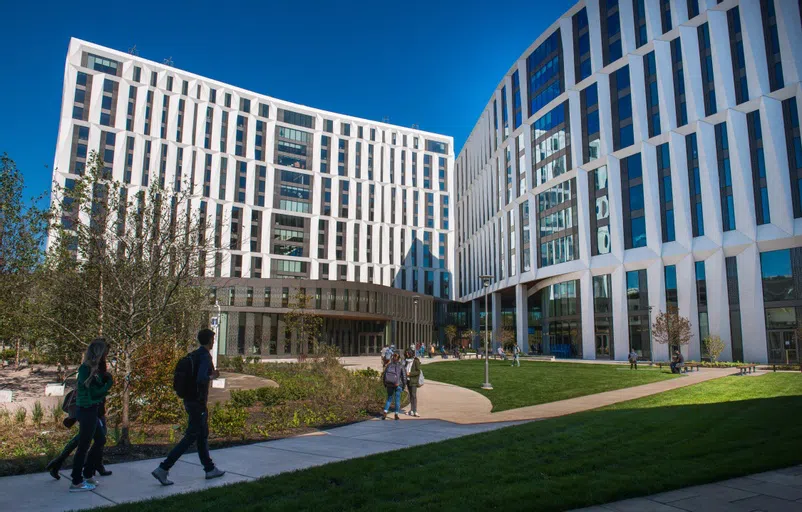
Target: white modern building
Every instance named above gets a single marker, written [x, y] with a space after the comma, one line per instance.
[641, 154]
[353, 211]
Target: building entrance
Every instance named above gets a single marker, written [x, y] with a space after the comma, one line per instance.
[370, 343]
[783, 346]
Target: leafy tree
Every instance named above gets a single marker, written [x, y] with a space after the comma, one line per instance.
[507, 338]
[672, 329]
[304, 324]
[714, 346]
[451, 334]
[470, 334]
[22, 230]
[129, 263]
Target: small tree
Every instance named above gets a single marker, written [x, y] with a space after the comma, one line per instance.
[470, 334]
[451, 334]
[671, 329]
[507, 338]
[714, 346]
[304, 323]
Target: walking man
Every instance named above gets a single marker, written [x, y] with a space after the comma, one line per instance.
[195, 400]
[516, 355]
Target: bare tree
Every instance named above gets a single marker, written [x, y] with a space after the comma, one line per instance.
[131, 262]
[304, 323]
[672, 329]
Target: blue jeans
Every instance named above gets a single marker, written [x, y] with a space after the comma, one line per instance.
[393, 393]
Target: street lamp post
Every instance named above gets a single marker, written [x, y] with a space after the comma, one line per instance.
[650, 334]
[216, 333]
[415, 300]
[486, 283]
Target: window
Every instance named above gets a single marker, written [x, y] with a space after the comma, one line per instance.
[557, 224]
[666, 193]
[725, 177]
[436, 147]
[621, 103]
[591, 142]
[679, 82]
[556, 320]
[633, 201]
[544, 68]
[652, 96]
[778, 276]
[505, 117]
[610, 31]
[102, 64]
[639, 17]
[794, 150]
[737, 52]
[638, 313]
[296, 118]
[582, 62]
[603, 316]
[672, 299]
[706, 58]
[665, 15]
[731, 265]
[701, 300]
[694, 186]
[772, 40]
[550, 145]
[600, 220]
[759, 184]
[517, 112]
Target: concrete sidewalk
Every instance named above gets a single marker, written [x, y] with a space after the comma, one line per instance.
[132, 481]
[775, 491]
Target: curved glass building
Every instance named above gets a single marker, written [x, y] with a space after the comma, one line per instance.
[641, 154]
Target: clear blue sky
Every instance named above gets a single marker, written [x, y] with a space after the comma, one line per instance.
[434, 63]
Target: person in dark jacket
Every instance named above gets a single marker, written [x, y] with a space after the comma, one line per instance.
[92, 387]
[54, 466]
[198, 427]
[394, 378]
[412, 370]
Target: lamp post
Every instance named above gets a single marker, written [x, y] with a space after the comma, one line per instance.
[415, 300]
[216, 332]
[650, 334]
[486, 283]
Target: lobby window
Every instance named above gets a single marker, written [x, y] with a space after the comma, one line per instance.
[582, 62]
[621, 103]
[677, 69]
[603, 316]
[725, 177]
[638, 314]
[544, 67]
[633, 201]
[735, 308]
[778, 276]
[738, 58]
[666, 193]
[598, 187]
[517, 111]
[610, 31]
[639, 17]
[706, 59]
[591, 143]
[555, 316]
[557, 224]
[772, 40]
[759, 184]
[695, 186]
[551, 145]
[526, 243]
[794, 149]
[652, 97]
[701, 298]
[672, 299]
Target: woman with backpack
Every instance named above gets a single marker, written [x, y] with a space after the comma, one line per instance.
[92, 387]
[394, 377]
[413, 372]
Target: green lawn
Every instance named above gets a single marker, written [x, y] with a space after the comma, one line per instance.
[539, 382]
[711, 431]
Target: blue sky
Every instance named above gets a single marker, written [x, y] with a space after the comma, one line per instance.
[434, 63]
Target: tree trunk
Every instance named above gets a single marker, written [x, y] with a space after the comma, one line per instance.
[100, 307]
[125, 422]
[16, 363]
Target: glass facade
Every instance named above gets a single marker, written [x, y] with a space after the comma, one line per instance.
[603, 316]
[725, 177]
[781, 271]
[633, 201]
[545, 69]
[591, 143]
[557, 224]
[621, 104]
[600, 219]
[638, 314]
[555, 320]
[551, 145]
[666, 193]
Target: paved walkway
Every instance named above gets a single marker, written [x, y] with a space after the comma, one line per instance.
[773, 491]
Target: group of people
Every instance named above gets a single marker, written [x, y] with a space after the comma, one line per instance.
[94, 384]
[398, 375]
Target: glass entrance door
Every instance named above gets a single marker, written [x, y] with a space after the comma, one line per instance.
[370, 343]
[783, 347]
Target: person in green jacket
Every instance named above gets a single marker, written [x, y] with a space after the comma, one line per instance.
[92, 387]
[413, 374]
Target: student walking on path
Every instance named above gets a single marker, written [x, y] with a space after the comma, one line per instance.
[413, 372]
[394, 377]
[196, 395]
[633, 359]
[92, 387]
[516, 355]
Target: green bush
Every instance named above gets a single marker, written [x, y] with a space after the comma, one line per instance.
[367, 372]
[21, 415]
[38, 414]
[228, 420]
[57, 413]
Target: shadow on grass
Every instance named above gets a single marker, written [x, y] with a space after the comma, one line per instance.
[575, 461]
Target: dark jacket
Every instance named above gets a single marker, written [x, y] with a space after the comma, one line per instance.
[414, 373]
[202, 359]
[95, 393]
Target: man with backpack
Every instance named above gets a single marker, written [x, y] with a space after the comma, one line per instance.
[193, 374]
[516, 356]
[394, 377]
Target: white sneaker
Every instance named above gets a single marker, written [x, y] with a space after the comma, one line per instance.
[91, 481]
[82, 487]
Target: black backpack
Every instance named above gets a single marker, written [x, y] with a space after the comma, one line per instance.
[184, 378]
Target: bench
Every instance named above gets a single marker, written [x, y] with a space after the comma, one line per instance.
[687, 368]
[746, 368]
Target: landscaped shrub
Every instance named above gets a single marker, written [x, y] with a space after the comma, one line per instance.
[37, 414]
[20, 415]
[368, 372]
[228, 420]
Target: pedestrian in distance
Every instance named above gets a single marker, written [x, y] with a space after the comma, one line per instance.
[191, 381]
[92, 387]
[54, 466]
[431, 350]
[633, 359]
[413, 371]
[516, 356]
[394, 377]
[678, 362]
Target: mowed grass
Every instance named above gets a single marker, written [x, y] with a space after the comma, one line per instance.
[539, 382]
[712, 431]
